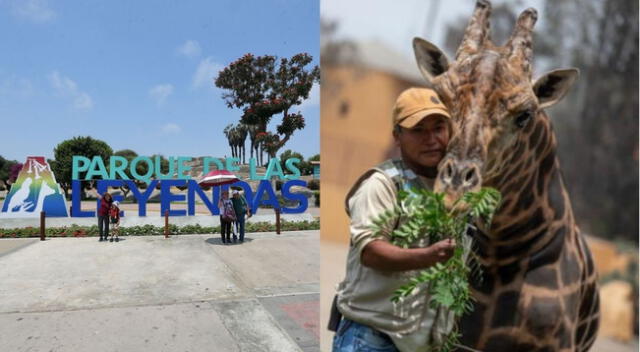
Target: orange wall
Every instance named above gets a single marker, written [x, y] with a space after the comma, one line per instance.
[355, 132]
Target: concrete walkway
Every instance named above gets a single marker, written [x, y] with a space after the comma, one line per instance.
[185, 293]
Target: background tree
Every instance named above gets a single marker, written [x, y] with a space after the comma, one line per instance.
[598, 125]
[9, 170]
[83, 146]
[237, 135]
[141, 169]
[164, 166]
[253, 131]
[263, 87]
[14, 171]
[288, 154]
[241, 136]
[228, 132]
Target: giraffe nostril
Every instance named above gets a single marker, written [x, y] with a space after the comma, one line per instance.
[471, 176]
[448, 172]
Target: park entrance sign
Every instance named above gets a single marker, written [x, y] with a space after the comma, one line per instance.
[35, 190]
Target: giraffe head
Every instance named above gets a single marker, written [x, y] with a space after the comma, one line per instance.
[490, 96]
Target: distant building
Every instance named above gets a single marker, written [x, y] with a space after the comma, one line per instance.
[316, 169]
[360, 84]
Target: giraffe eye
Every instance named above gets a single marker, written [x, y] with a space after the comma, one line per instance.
[522, 119]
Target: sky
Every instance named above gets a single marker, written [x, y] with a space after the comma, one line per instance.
[396, 23]
[139, 74]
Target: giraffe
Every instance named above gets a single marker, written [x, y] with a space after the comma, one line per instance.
[539, 289]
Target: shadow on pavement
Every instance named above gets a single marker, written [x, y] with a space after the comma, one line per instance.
[217, 241]
[122, 239]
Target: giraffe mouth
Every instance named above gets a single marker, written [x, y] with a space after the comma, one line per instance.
[451, 196]
[455, 178]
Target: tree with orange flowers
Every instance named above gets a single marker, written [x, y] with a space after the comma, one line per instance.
[265, 86]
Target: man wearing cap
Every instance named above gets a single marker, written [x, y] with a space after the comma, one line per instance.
[376, 267]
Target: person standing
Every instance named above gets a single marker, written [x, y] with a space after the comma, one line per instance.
[241, 209]
[227, 217]
[375, 266]
[103, 215]
[114, 214]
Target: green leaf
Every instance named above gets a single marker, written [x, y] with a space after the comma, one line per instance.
[426, 217]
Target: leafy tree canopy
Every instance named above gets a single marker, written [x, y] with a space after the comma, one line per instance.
[264, 86]
[288, 154]
[9, 170]
[83, 146]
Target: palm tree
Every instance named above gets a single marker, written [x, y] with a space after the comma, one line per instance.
[242, 137]
[255, 145]
[228, 133]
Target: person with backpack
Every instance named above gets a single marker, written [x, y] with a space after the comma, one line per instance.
[227, 217]
[363, 315]
[241, 209]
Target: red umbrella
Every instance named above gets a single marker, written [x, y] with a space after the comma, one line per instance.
[217, 178]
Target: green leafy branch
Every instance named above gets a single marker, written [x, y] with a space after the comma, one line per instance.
[426, 218]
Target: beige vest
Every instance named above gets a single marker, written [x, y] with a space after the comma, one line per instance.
[365, 294]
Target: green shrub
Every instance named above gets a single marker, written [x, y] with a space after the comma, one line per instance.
[314, 185]
[282, 201]
[150, 230]
[316, 195]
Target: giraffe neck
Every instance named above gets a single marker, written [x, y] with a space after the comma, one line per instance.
[535, 207]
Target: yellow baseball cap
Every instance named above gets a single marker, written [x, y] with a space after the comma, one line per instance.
[414, 104]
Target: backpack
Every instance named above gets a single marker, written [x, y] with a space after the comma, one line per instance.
[228, 213]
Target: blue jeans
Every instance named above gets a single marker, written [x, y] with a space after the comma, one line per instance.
[240, 227]
[355, 337]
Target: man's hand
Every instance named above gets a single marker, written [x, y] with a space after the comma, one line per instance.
[442, 250]
[382, 255]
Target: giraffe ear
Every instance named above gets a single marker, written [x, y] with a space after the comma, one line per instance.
[431, 61]
[553, 86]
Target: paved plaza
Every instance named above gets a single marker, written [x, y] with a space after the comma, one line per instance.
[185, 293]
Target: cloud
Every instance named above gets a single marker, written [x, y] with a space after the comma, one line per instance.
[33, 10]
[171, 128]
[314, 98]
[82, 102]
[191, 49]
[65, 87]
[160, 93]
[206, 72]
